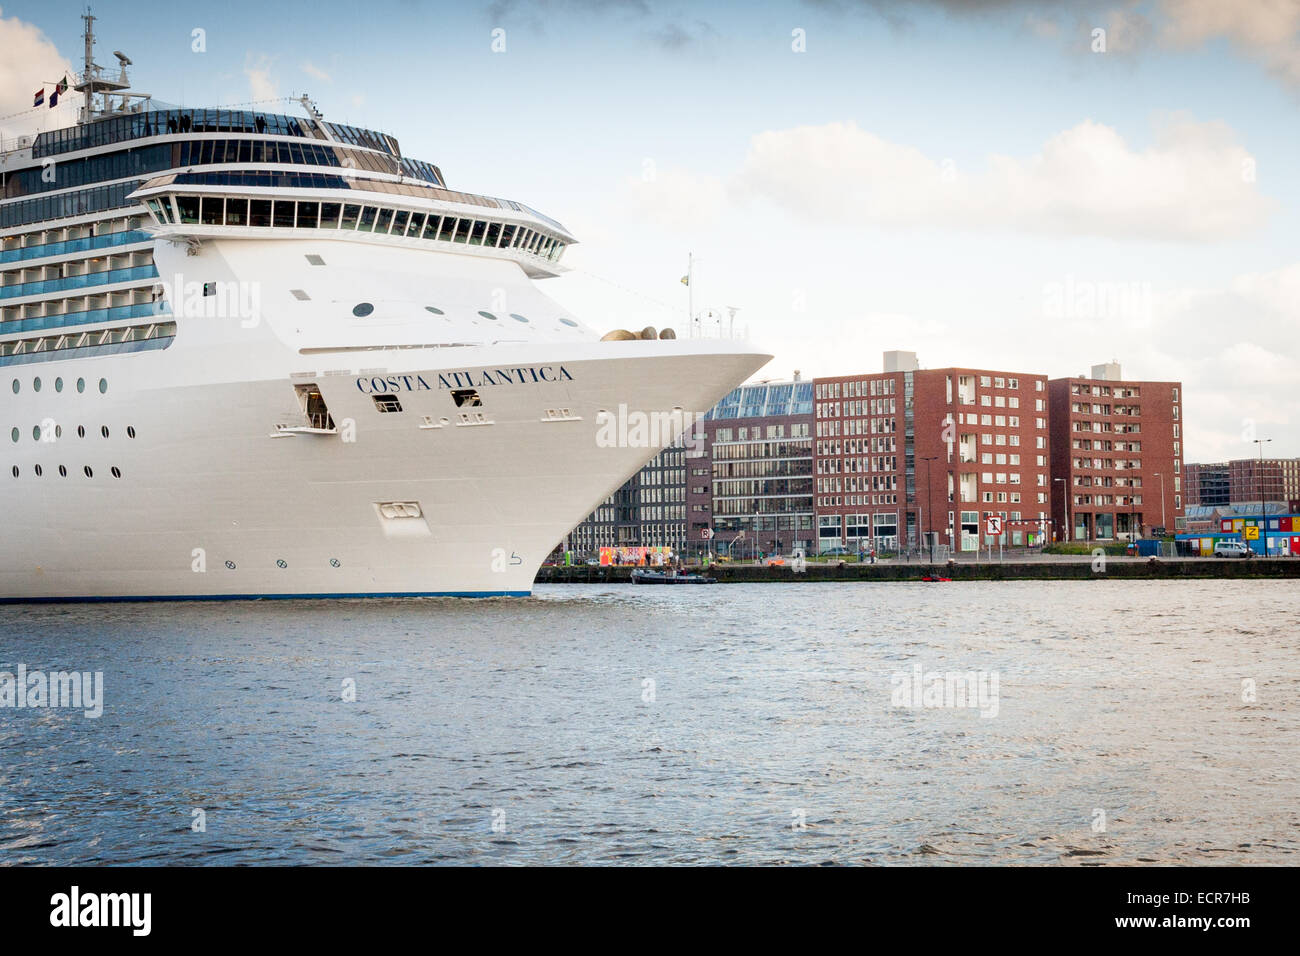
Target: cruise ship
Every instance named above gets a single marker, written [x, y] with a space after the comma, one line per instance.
[253, 355]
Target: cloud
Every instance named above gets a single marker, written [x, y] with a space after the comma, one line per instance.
[675, 36]
[1267, 30]
[261, 82]
[30, 61]
[676, 198]
[1193, 183]
[316, 72]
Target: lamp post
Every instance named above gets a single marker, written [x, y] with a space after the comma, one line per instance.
[1263, 520]
[1065, 500]
[929, 538]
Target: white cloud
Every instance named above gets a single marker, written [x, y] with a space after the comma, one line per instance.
[1190, 184]
[675, 198]
[30, 61]
[312, 70]
[261, 82]
[1268, 30]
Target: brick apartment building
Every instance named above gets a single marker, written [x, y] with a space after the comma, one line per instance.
[749, 473]
[914, 458]
[1116, 455]
[1205, 485]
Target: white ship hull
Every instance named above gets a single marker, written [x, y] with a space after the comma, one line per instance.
[218, 499]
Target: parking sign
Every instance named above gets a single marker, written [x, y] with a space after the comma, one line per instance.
[993, 525]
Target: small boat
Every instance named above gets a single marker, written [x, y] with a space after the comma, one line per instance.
[934, 577]
[640, 576]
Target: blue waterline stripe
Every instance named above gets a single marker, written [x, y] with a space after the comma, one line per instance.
[114, 599]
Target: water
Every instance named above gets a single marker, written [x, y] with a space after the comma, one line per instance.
[522, 730]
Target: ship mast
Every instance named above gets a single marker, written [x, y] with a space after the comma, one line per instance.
[95, 84]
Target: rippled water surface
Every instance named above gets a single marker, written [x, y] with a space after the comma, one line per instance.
[620, 724]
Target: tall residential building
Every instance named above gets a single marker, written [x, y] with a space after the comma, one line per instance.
[912, 457]
[648, 510]
[1205, 485]
[1273, 479]
[1116, 455]
[749, 471]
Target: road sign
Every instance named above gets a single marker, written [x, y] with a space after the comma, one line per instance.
[993, 525]
[706, 533]
[1251, 533]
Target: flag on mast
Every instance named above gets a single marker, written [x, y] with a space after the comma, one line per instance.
[686, 280]
[40, 98]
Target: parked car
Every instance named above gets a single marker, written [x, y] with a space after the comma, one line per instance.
[833, 552]
[1232, 549]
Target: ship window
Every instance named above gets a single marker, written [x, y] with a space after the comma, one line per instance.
[448, 227]
[284, 214]
[464, 397]
[367, 219]
[387, 403]
[517, 317]
[81, 385]
[329, 215]
[570, 323]
[416, 224]
[103, 386]
[463, 227]
[15, 433]
[350, 215]
[89, 473]
[429, 308]
[259, 212]
[308, 213]
[493, 234]
[431, 227]
[189, 208]
[63, 471]
[384, 220]
[130, 431]
[37, 469]
[214, 211]
[507, 235]
[36, 384]
[362, 309]
[16, 386]
[103, 430]
[236, 212]
[477, 233]
[399, 222]
[488, 315]
[81, 431]
[117, 472]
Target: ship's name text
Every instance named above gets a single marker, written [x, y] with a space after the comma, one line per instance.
[379, 384]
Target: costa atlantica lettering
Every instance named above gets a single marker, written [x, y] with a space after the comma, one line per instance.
[429, 381]
[103, 909]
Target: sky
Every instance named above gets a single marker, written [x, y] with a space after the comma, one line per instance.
[1019, 186]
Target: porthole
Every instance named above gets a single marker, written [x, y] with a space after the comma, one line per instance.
[58, 431]
[81, 431]
[117, 472]
[37, 469]
[334, 563]
[103, 386]
[488, 315]
[281, 563]
[429, 308]
[63, 471]
[230, 565]
[81, 385]
[36, 384]
[16, 386]
[362, 309]
[570, 323]
[89, 473]
[15, 434]
[103, 430]
[58, 384]
[130, 431]
[15, 471]
[36, 433]
[517, 317]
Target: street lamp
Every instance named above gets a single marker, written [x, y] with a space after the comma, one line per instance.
[1263, 520]
[928, 536]
[1065, 499]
